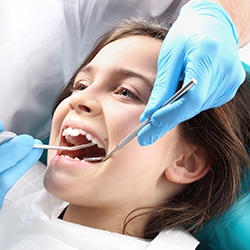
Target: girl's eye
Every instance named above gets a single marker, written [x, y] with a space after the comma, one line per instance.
[126, 93]
[80, 85]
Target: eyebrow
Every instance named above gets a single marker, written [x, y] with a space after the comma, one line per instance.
[124, 73]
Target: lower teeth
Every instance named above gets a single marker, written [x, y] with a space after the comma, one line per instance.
[66, 156]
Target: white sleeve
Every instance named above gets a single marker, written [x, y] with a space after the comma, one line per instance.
[43, 42]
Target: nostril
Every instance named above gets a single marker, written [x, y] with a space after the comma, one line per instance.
[71, 107]
[84, 108]
[80, 107]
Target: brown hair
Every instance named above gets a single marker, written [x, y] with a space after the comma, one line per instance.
[222, 133]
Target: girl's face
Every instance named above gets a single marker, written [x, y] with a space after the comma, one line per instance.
[109, 95]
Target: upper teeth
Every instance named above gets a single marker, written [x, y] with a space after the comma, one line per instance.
[69, 132]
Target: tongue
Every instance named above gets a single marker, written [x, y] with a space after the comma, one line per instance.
[93, 151]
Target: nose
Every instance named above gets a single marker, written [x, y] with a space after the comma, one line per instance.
[85, 101]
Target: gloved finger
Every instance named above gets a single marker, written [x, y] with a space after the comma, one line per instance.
[11, 175]
[169, 116]
[14, 150]
[149, 134]
[172, 114]
[167, 78]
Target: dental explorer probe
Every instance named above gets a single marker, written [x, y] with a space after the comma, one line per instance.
[7, 135]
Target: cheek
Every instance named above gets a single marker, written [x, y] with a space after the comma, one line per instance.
[170, 145]
[162, 152]
[121, 121]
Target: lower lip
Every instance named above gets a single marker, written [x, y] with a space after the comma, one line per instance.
[69, 163]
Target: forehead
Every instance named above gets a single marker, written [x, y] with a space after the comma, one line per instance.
[133, 50]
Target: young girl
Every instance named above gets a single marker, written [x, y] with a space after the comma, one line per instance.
[141, 197]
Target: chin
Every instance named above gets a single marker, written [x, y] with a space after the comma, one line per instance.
[56, 184]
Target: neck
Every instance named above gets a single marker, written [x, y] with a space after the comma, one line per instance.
[112, 221]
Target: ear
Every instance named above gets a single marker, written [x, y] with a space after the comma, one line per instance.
[190, 166]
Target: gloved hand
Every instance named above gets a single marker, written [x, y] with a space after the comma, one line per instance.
[201, 44]
[16, 157]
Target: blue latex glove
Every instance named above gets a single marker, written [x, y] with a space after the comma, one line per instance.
[201, 44]
[16, 157]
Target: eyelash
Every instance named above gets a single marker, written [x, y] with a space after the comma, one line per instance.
[121, 90]
[79, 86]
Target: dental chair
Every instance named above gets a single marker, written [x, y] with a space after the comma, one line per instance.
[230, 231]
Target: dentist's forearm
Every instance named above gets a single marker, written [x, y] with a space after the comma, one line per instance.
[239, 11]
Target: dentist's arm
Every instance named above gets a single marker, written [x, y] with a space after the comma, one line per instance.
[201, 44]
[239, 12]
[16, 157]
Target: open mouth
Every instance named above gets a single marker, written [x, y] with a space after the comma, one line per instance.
[74, 137]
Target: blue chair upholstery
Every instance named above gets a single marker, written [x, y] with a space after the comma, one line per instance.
[231, 231]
